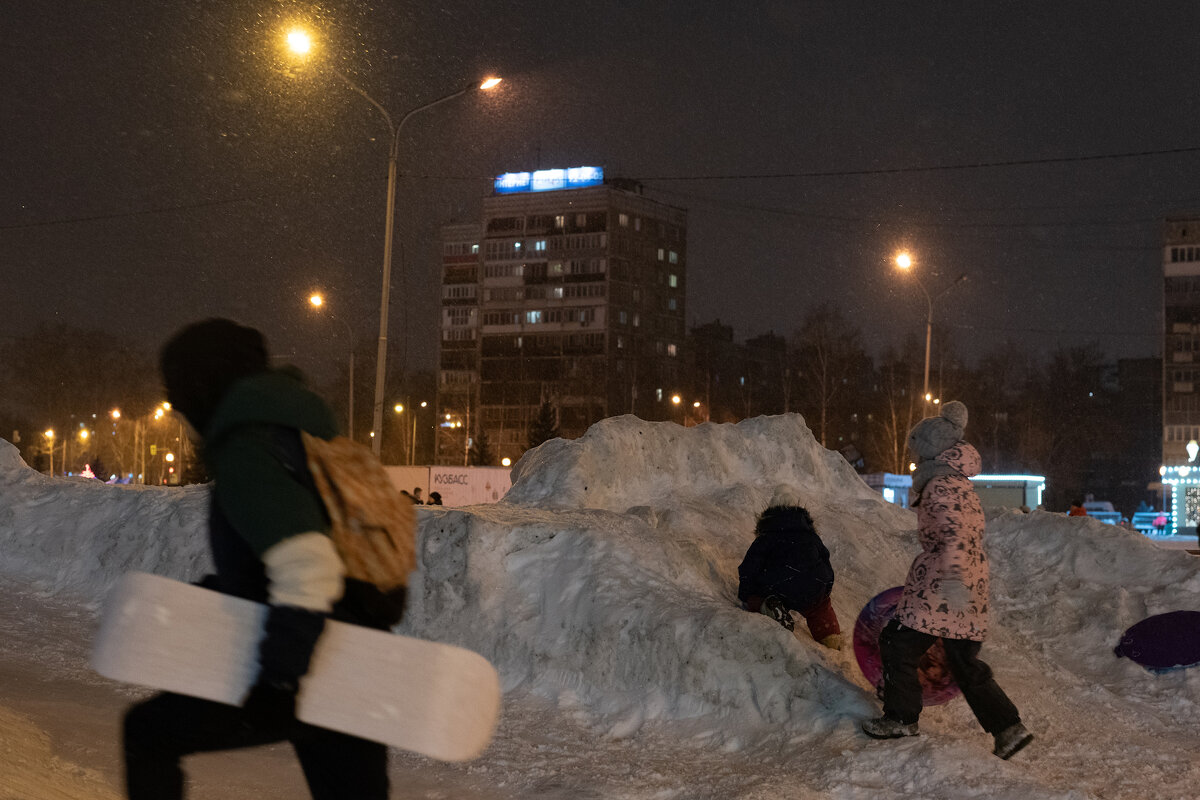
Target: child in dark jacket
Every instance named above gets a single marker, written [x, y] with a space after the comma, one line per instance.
[787, 569]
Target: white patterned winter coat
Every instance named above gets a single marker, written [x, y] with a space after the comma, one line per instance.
[950, 529]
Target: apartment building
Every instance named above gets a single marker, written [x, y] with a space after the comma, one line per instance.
[570, 292]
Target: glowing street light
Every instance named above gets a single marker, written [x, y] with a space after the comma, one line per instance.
[905, 262]
[317, 301]
[49, 434]
[412, 443]
[301, 44]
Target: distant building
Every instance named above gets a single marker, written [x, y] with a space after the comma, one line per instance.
[1181, 338]
[1181, 368]
[570, 291]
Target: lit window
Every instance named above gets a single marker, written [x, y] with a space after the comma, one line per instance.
[671, 304]
[637, 320]
[620, 342]
[560, 221]
[557, 292]
[517, 246]
[623, 220]
[660, 254]
[533, 317]
[671, 350]
[658, 395]
[674, 257]
[539, 245]
[673, 281]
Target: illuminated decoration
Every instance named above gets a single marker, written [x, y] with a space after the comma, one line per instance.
[87, 472]
[1185, 498]
[548, 180]
[1193, 447]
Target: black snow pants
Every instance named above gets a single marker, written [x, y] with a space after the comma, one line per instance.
[162, 730]
[901, 648]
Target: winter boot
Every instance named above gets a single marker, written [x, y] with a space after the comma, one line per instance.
[775, 608]
[833, 641]
[1012, 739]
[886, 727]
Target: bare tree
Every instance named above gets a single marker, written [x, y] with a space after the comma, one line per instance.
[830, 358]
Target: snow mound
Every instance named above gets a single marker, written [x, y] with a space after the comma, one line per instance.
[607, 578]
[623, 462]
[78, 536]
[606, 582]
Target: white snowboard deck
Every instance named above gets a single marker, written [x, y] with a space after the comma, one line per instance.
[435, 699]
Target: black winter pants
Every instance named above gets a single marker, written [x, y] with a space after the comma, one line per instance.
[163, 729]
[901, 648]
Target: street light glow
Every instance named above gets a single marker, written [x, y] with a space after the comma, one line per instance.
[903, 261]
[489, 83]
[299, 41]
[316, 300]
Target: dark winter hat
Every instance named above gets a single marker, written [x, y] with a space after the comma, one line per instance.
[933, 435]
[201, 362]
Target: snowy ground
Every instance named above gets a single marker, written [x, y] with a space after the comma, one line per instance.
[603, 589]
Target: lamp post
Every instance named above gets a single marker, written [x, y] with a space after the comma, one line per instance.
[412, 443]
[905, 262]
[317, 301]
[300, 43]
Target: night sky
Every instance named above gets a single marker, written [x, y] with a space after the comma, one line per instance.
[166, 161]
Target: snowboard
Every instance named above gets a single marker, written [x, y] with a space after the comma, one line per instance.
[1163, 642]
[937, 684]
[435, 699]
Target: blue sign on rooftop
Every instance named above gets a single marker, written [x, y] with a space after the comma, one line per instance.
[548, 180]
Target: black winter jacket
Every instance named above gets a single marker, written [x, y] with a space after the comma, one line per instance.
[787, 558]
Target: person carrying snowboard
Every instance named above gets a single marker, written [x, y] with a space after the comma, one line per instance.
[787, 569]
[946, 592]
[268, 533]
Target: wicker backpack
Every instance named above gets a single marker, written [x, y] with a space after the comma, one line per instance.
[372, 524]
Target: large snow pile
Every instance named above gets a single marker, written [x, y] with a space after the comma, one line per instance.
[605, 582]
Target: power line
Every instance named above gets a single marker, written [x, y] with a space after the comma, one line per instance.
[1024, 162]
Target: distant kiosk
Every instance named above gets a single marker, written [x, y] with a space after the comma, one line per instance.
[1010, 491]
[995, 491]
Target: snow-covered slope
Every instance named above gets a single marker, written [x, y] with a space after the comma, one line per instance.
[605, 583]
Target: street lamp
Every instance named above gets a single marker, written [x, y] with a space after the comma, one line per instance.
[317, 301]
[300, 42]
[905, 262]
[412, 443]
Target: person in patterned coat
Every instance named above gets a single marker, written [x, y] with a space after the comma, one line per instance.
[946, 591]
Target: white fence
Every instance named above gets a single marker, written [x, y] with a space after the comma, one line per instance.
[458, 486]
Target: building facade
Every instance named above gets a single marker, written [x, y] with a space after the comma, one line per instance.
[1181, 370]
[1181, 338]
[569, 292]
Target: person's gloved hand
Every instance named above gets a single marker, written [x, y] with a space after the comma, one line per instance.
[289, 636]
[955, 593]
[271, 703]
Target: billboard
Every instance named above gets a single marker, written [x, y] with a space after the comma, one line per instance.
[548, 180]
